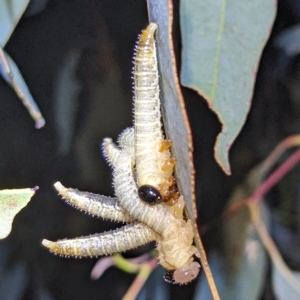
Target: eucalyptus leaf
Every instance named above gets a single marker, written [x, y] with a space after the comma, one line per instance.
[10, 72]
[282, 287]
[10, 14]
[222, 45]
[175, 117]
[11, 202]
[176, 122]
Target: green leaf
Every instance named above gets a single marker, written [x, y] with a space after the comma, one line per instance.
[174, 113]
[11, 202]
[222, 45]
[175, 119]
[11, 74]
[283, 287]
[10, 14]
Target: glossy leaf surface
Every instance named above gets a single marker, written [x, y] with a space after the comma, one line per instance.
[11, 202]
[222, 45]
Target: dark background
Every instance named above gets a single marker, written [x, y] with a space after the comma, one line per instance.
[102, 35]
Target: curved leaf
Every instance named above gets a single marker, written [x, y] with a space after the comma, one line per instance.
[10, 14]
[222, 44]
[11, 202]
[175, 120]
[174, 113]
[11, 74]
[282, 287]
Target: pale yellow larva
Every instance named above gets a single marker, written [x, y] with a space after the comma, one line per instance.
[140, 159]
[119, 240]
[175, 249]
[94, 204]
[125, 140]
[154, 166]
[110, 151]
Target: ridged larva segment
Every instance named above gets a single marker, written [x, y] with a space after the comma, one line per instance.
[96, 205]
[110, 151]
[141, 153]
[126, 138]
[175, 249]
[151, 161]
[119, 240]
[156, 217]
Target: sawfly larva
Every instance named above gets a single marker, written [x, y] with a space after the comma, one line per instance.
[175, 249]
[154, 166]
[142, 175]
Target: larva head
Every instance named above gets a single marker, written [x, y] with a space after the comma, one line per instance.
[184, 275]
[149, 194]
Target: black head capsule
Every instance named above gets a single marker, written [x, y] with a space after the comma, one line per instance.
[149, 194]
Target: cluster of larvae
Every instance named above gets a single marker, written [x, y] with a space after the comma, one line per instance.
[146, 194]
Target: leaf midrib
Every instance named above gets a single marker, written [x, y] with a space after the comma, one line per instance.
[218, 50]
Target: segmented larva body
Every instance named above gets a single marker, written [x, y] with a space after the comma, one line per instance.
[175, 249]
[125, 140]
[112, 241]
[110, 151]
[154, 166]
[140, 161]
[94, 204]
[119, 240]
[109, 242]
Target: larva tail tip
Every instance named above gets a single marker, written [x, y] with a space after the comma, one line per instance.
[48, 244]
[152, 27]
[148, 33]
[106, 141]
[58, 186]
